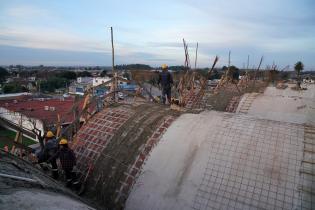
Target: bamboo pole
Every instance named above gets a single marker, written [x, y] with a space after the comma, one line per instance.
[261, 60]
[247, 62]
[196, 56]
[113, 63]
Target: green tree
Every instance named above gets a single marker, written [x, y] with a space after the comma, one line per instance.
[52, 84]
[298, 67]
[84, 74]
[3, 74]
[104, 73]
[14, 88]
[69, 75]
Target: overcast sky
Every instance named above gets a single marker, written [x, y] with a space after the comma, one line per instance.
[74, 32]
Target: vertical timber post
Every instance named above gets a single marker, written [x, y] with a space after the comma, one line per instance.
[247, 62]
[196, 56]
[113, 63]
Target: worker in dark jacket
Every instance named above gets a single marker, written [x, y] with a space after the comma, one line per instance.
[50, 148]
[165, 81]
[67, 160]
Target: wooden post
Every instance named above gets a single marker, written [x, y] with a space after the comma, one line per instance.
[113, 63]
[261, 60]
[247, 62]
[196, 56]
[229, 59]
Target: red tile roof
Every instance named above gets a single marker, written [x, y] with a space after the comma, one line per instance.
[35, 108]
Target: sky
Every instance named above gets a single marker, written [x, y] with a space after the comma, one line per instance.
[74, 32]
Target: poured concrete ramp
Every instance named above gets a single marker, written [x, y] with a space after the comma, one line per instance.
[223, 161]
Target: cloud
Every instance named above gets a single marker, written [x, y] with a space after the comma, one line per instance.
[48, 38]
[26, 12]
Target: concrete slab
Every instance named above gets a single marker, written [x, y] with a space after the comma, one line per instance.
[284, 105]
[222, 161]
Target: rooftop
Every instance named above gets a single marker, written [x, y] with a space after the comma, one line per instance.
[261, 157]
[42, 108]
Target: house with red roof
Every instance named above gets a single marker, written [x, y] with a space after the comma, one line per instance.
[31, 113]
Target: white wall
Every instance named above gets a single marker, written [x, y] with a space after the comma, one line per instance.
[15, 118]
[84, 79]
[100, 80]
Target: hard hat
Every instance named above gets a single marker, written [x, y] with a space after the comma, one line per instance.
[63, 141]
[50, 134]
[164, 66]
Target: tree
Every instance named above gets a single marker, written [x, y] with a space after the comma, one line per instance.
[104, 73]
[14, 88]
[298, 67]
[3, 74]
[69, 75]
[52, 84]
[84, 74]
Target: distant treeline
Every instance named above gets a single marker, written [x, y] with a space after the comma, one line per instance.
[133, 67]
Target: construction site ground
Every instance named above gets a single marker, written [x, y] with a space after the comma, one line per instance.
[22, 186]
[261, 157]
[250, 150]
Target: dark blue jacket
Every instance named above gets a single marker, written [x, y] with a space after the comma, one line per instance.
[165, 79]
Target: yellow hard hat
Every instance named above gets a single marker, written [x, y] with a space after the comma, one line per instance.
[50, 134]
[164, 66]
[63, 141]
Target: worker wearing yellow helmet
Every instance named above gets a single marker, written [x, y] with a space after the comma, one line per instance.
[67, 160]
[50, 148]
[49, 134]
[165, 82]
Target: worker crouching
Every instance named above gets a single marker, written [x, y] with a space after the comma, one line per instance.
[67, 160]
[50, 148]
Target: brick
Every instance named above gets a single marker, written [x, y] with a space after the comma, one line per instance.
[129, 181]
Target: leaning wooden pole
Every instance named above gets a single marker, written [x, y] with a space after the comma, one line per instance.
[261, 60]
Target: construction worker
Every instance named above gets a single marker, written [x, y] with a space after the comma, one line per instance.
[165, 81]
[50, 148]
[67, 160]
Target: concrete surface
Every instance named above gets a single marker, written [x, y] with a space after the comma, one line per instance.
[23, 186]
[38, 199]
[282, 105]
[222, 161]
